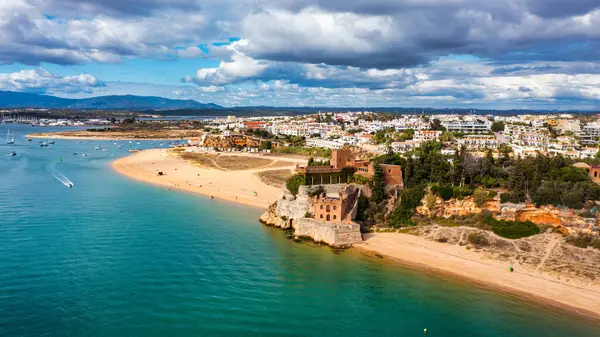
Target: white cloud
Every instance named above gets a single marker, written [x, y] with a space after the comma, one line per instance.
[42, 81]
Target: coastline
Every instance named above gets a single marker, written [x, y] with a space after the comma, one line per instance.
[458, 262]
[115, 138]
[236, 186]
[405, 249]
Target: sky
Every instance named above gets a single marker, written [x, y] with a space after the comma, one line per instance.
[497, 54]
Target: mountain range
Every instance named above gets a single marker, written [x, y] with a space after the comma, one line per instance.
[13, 99]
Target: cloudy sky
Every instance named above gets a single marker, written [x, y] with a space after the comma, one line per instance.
[410, 53]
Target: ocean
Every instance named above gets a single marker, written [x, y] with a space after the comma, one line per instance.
[115, 257]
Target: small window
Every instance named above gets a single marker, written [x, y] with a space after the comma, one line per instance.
[321, 206]
[334, 208]
[389, 170]
[321, 216]
[327, 208]
[334, 217]
[595, 174]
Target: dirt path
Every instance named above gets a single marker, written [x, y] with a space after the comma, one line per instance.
[551, 246]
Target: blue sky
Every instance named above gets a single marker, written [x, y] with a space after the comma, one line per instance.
[438, 53]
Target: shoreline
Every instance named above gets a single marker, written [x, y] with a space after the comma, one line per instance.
[115, 138]
[456, 262]
[236, 186]
[401, 249]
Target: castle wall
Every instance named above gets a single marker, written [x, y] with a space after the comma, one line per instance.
[332, 234]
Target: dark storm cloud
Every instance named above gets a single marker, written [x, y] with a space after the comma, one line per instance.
[562, 8]
[126, 7]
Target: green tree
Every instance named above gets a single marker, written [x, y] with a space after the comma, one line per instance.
[498, 126]
[293, 184]
[436, 125]
[410, 199]
[378, 192]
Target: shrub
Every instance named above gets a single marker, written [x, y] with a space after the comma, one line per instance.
[307, 215]
[430, 200]
[445, 192]
[293, 184]
[514, 198]
[478, 239]
[492, 194]
[410, 199]
[461, 192]
[584, 241]
[316, 191]
[512, 229]
[480, 197]
[358, 179]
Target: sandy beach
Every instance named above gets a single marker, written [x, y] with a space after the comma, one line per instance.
[232, 185]
[579, 297]
[240, 185]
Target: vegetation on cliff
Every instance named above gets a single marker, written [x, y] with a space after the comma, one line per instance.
[542, 179]
[293, 184]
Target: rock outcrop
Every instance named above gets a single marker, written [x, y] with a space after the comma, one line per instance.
[293, 212]
[225, 142]
[544, 215]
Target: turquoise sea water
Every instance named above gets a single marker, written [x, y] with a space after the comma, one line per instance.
[115, 257]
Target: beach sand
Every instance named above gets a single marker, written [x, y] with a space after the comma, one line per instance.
[233, 185]
[582, 298]
[445, 259]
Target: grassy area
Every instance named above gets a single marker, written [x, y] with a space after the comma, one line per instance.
[275, 178]
[306, 151]
[204, 160]
[234, 163]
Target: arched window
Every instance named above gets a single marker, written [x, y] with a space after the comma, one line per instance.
[334, 217]
[321, 206]
[327, 208]
[321, 216]
[595, 174]
[328, 217]
[334, 207]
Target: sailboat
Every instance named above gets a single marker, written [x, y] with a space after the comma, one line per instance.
[10, 139]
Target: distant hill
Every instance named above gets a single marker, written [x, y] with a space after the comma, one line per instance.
[12, 99]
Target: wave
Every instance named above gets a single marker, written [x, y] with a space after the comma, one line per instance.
[63, 179]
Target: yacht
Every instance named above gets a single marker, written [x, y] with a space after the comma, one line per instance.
[10, 139]
[12, 154]
[43, 144]
[51, 142]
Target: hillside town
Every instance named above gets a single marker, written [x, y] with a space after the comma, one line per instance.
[563, 134]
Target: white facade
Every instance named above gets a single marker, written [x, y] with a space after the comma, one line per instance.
[324, 143]
[478, 142]
[468, 126]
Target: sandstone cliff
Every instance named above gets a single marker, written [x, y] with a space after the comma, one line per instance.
[222, 142]
[544, 215]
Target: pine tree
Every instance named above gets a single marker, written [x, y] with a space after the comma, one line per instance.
[378, 194]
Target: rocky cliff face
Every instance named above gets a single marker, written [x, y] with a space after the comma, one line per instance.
[289, 213]
[545, 215]
[222, 142]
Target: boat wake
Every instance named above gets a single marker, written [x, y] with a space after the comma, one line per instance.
[64, 180]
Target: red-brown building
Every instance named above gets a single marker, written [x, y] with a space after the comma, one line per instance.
[343, 158]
